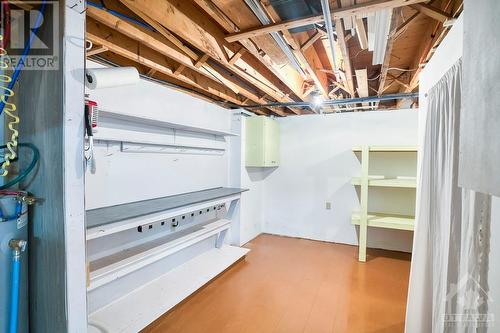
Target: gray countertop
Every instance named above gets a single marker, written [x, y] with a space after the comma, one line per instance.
[106, 215]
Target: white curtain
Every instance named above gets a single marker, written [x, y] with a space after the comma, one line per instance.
[448, 290]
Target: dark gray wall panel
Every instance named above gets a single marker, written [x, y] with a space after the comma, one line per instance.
[42, 108]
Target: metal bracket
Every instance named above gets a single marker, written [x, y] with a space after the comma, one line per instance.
[220, 238]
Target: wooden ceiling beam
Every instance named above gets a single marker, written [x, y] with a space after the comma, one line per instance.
[172, 82]
[337, 13]
[362, 81]
[96, 50]
[432, 12]
[287, 76]
[133, 50]
[163, 45]
[437, 32]
[189, 23]
[237, 55]
[402, 27]
[308, 43]
[346, 59]
[320, 79]
[397, 80]
[338, 86]
[211, 9]
[253, 53]
[361, 33]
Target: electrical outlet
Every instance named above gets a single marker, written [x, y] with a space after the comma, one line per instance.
[328, 205]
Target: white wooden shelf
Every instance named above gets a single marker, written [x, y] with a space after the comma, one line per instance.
[388, 149]
[105, 221]
[136, 310]
[110, 268]
[153, 139]
[385, 219]
[387, 182]
[162, 123]
[390, 221]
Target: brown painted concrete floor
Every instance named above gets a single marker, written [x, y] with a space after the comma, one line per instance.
[294, 285]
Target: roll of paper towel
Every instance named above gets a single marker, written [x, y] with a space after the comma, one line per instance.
[96, 78]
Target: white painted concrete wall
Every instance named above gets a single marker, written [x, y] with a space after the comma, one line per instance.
[450, 50]
[251, 209]
[317, 164]
[125, 177]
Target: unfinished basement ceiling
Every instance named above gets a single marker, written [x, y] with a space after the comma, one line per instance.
[217, 49]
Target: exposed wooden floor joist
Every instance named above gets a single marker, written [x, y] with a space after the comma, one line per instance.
[218, 49]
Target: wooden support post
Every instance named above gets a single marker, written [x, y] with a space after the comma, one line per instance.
[363, 223]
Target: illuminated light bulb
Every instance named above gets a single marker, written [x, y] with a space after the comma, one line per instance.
[317, 101]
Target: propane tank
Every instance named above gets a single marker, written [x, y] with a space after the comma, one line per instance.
[13, 226]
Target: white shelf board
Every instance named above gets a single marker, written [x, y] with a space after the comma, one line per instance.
[161, 123]
[387, 182]
[388, 149]
[136, 310]
[389, 221]
[124, 263]
[154, 139]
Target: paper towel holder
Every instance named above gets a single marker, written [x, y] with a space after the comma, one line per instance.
[123, 76]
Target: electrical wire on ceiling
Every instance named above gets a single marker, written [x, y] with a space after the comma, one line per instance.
[401, 69]
[334, 102]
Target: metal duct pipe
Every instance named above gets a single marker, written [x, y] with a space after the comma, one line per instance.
[283, 45]
[334, 101]
[325, 6]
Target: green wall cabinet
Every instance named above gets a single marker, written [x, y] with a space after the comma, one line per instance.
[262, 142]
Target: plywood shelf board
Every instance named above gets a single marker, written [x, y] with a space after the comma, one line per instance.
[126, 262]
[162, 123]
[390, 221]
[142, 306]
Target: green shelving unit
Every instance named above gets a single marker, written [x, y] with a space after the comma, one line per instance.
[387, 220]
